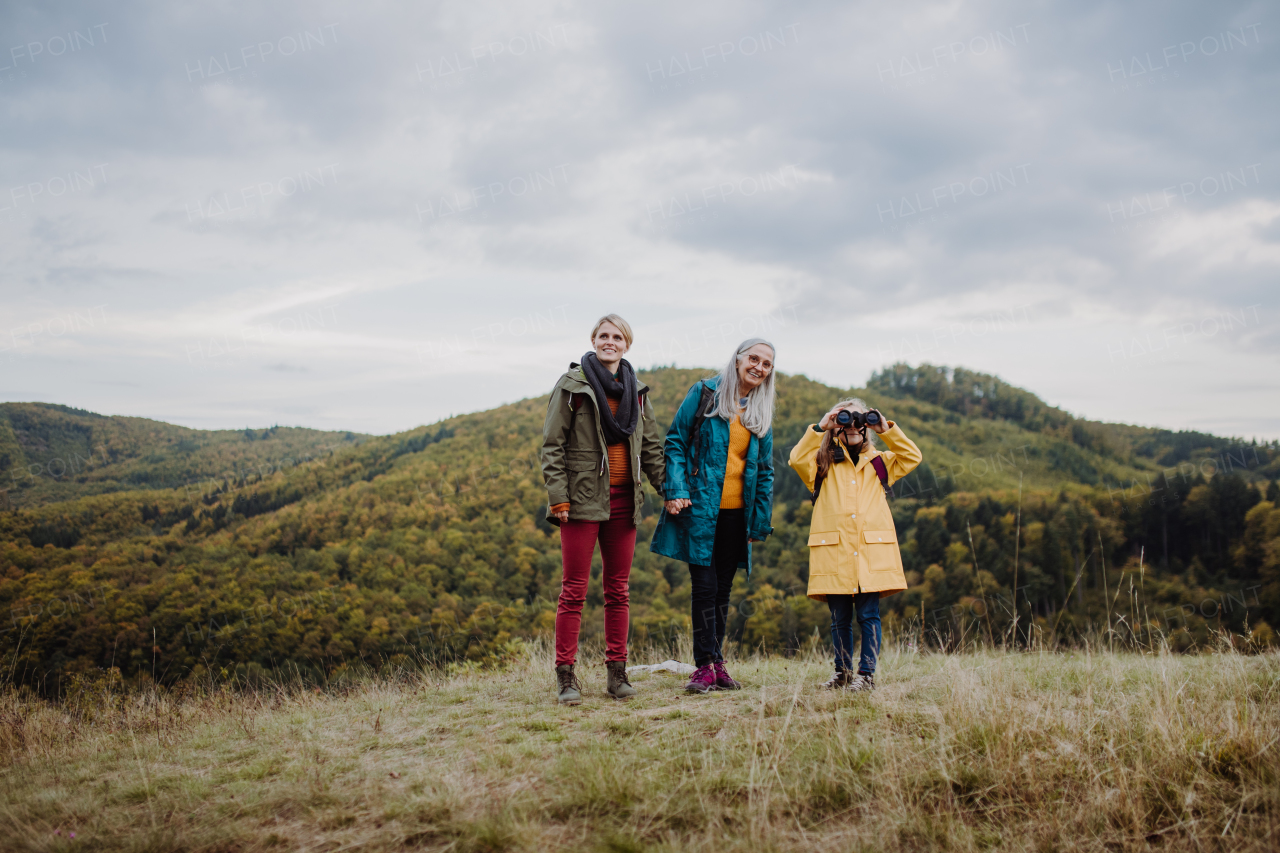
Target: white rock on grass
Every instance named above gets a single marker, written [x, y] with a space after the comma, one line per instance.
[666, 666]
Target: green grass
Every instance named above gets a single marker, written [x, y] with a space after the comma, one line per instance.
[984, 751]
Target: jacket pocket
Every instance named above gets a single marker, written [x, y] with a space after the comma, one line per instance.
[582, 466]
[581, 460]
[882, 550]
[824, 553]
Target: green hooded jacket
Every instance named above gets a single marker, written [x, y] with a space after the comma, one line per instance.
[575, 462]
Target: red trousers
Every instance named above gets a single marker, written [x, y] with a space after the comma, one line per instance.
[617, 546]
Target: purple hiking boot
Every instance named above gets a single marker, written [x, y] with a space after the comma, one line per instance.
[702, 680]
[723, 680]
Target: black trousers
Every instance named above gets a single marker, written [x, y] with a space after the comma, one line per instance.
[712, 585]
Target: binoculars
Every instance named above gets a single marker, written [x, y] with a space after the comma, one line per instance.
[857, 420]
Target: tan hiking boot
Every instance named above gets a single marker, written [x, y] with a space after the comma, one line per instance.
[840, 681]
[570, 689]
[619, 686]
[861, 683]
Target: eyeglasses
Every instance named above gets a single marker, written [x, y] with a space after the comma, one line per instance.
[762, 363]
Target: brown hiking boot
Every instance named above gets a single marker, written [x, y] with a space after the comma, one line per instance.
[619, 686]
[570, 689]
[841, 680]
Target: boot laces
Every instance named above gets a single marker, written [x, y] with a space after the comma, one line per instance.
[620, 675]
[567, 679]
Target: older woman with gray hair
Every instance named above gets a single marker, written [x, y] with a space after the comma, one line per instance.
[719, 494]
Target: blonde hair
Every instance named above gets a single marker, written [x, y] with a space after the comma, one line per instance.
[623, 326]
[757, 415]
[857, 404]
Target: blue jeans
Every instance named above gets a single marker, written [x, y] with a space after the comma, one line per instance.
[866, 607]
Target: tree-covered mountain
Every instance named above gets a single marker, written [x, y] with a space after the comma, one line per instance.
[52, 453]
[433, 542]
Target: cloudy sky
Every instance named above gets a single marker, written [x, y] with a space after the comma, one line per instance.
[373, 215]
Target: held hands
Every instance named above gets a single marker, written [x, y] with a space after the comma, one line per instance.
[563, 516]
[674, 507]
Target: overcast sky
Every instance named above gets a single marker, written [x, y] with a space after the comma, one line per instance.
[372, 215]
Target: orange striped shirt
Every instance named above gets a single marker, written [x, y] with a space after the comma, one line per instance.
[619, 454]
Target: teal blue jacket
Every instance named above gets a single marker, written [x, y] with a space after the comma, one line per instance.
[690, 535]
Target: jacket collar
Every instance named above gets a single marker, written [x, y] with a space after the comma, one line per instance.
[863, 458]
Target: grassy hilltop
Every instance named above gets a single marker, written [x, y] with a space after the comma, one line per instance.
[988, 751]
[214, 555]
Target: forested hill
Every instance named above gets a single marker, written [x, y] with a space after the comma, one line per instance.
[337, 549]
[52, 453]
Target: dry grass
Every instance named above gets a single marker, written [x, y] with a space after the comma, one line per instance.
[985, 751]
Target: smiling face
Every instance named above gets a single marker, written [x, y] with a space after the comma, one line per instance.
[754, 366]
[610, 345]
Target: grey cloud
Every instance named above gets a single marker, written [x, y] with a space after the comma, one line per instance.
[490, 158]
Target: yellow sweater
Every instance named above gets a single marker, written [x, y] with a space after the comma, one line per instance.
[735, 466]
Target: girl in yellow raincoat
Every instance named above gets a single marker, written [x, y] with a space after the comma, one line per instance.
[853, 547]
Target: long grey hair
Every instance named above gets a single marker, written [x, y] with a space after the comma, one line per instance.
[758, 414]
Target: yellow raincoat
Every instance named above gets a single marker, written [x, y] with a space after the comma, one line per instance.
[853, 546]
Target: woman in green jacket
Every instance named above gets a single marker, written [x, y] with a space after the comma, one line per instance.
[599, 434]
[719, 494]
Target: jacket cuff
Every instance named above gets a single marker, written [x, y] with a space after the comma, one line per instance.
[554, 498]
[560, 507]
[675, 495]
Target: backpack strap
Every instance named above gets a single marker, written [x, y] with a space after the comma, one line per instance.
[704, 407]
[575, 400]
[817, 482]
[883, 474]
